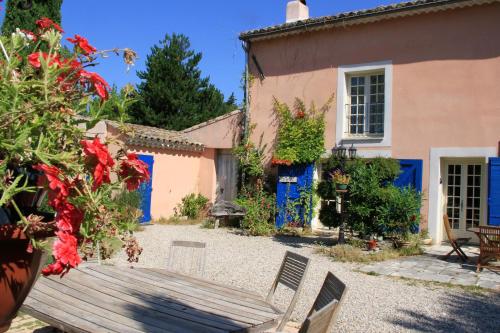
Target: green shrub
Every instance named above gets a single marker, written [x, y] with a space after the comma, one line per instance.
[260, 210]
[192, 206]
[373, 204]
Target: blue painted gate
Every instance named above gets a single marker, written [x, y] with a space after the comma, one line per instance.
[292, 180]
[146, 189]
[494, 191]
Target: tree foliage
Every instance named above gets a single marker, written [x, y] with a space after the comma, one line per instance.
[20, 14]
[173, 94]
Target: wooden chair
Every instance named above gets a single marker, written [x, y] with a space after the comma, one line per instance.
[324, 311]
[187, 257]
[291, 274]
[456, 243]
[489, 245]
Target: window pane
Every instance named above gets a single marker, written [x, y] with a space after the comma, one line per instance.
[354, 81]
[361, 80]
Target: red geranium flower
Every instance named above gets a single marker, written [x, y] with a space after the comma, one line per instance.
[45, 24]
[55, 269]
[83, 44]
[34, 59]
[65, 249]
[98, 157]
[100, 86]
[59, 189]
[69, 218]
[134, 171]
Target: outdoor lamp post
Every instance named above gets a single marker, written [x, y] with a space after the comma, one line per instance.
[340, 153]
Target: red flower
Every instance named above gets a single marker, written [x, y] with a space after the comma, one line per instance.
[45, 24]
[98, 157]
[59, 189]
[65, 249]
[134, 171]
[69, 218]
[34, 59]
[83, 44]
[300, 114]
[54, 269]
[99, 85]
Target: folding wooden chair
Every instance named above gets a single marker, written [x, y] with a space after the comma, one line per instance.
[456, 243]
[489, 245]
[325, 309]
[187, 257]
[291, 274]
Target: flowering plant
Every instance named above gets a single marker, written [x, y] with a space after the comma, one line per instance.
[340, 178]
[45, 153]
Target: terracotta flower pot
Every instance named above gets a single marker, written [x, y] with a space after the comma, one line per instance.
[18, 272]
[372, 244]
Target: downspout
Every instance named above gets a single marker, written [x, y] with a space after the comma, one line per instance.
[246, 47]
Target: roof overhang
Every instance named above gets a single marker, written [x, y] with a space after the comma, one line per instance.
[360, 17]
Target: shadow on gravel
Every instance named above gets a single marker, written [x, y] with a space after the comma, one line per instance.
[299, 242]
[463, 313]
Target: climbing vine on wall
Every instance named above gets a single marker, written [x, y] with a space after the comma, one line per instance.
[300, 135]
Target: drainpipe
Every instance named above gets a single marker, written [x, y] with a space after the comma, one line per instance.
[246, 46]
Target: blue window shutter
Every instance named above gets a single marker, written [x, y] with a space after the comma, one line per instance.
[494, 191]
[411, 174]
[146, 189]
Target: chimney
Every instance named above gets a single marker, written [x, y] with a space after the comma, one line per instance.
[296, 10]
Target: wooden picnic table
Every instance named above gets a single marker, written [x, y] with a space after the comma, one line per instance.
[96, 298]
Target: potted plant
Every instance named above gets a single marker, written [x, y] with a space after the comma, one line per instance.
[47, 160]
[341, 180]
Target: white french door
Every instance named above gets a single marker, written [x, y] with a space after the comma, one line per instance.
[464, 193]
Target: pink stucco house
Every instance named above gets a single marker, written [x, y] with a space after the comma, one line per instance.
[196, 160]
[414, 81]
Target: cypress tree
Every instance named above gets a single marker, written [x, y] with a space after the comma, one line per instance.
[173, 94]
[23, 14]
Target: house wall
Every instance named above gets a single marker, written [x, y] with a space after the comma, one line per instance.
[445, 78]
[175, 174]
[222, 132]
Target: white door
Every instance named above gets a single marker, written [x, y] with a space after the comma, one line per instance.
[464, 193]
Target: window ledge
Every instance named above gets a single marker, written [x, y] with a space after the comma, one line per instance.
[363, 138]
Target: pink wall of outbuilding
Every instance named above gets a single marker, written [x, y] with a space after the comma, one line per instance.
[446, 78]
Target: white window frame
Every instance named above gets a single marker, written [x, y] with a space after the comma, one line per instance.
[343, 73]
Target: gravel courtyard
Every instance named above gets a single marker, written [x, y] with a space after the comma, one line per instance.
[373, 303]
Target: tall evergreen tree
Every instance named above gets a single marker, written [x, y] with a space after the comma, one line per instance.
[173, 94]
[23, 14]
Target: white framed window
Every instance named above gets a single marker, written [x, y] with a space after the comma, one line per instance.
[364, 104]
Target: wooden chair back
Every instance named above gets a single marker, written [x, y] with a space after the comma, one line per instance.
[187, 257]
[291, 274]
[447, 228]
[320, 321]
[489, 240]
[332, 291]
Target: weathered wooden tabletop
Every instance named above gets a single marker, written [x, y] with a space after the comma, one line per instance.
[118, 299]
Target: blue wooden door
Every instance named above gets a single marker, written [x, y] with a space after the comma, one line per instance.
[292, 181]
[146, 189]
[411, 174]
[494, 192]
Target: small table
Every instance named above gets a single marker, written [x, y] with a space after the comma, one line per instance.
[97, 299]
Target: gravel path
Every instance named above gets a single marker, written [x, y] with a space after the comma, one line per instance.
[373, 303]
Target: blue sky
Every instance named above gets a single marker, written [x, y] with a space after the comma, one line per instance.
[212, 26]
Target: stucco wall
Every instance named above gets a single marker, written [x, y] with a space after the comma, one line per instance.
[221, 133]
[175, 174]
[446, 76]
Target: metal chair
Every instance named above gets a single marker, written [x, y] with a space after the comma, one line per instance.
[489, 246]
[456, 243]
[291, 274]
[187, 257]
